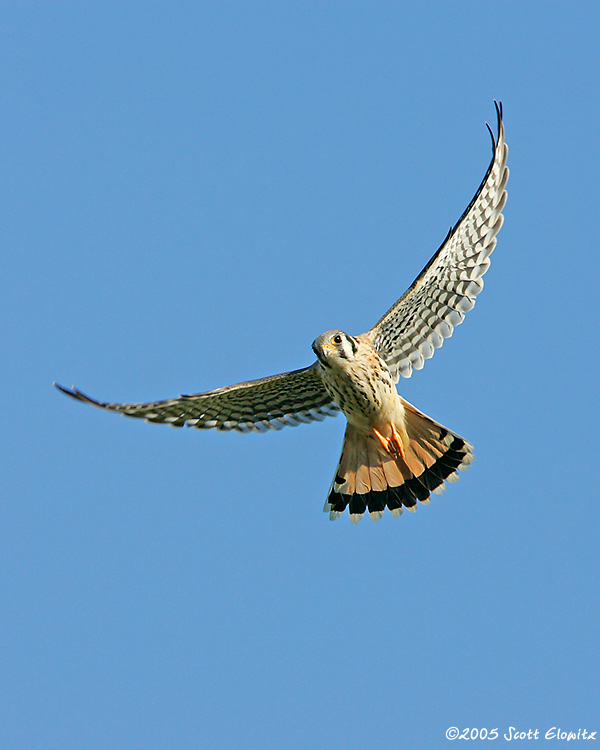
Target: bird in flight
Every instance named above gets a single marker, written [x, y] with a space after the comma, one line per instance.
[393, 455]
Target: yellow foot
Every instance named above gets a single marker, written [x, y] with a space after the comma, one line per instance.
[393, 444]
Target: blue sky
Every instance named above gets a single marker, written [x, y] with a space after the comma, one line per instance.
[192, 193]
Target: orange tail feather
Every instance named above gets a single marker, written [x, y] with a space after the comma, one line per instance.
[369, 477]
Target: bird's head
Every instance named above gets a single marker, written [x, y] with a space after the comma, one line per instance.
[335, 347]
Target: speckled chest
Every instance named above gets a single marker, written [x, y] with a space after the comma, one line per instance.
[363, 387]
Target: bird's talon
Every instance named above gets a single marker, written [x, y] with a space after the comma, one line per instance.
[392, 445]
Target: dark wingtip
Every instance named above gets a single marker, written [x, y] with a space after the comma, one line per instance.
[498, 106]
[67, 391]
[492, 136]
[73, 393]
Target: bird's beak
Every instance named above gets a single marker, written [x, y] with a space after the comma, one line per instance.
[327, 350]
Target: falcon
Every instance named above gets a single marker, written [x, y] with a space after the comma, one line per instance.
[393, 455]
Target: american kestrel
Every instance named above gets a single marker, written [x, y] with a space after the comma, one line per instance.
[393, 455]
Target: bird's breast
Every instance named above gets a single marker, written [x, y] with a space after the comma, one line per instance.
[364, 391]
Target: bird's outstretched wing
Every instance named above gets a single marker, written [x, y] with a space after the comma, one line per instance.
[258, 405]
[411, 330]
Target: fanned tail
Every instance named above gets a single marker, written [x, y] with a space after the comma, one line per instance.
[368, 477]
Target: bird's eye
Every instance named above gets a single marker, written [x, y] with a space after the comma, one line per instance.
[337, 339]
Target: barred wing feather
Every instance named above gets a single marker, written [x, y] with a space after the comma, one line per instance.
[291, 398]
[411, 331]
